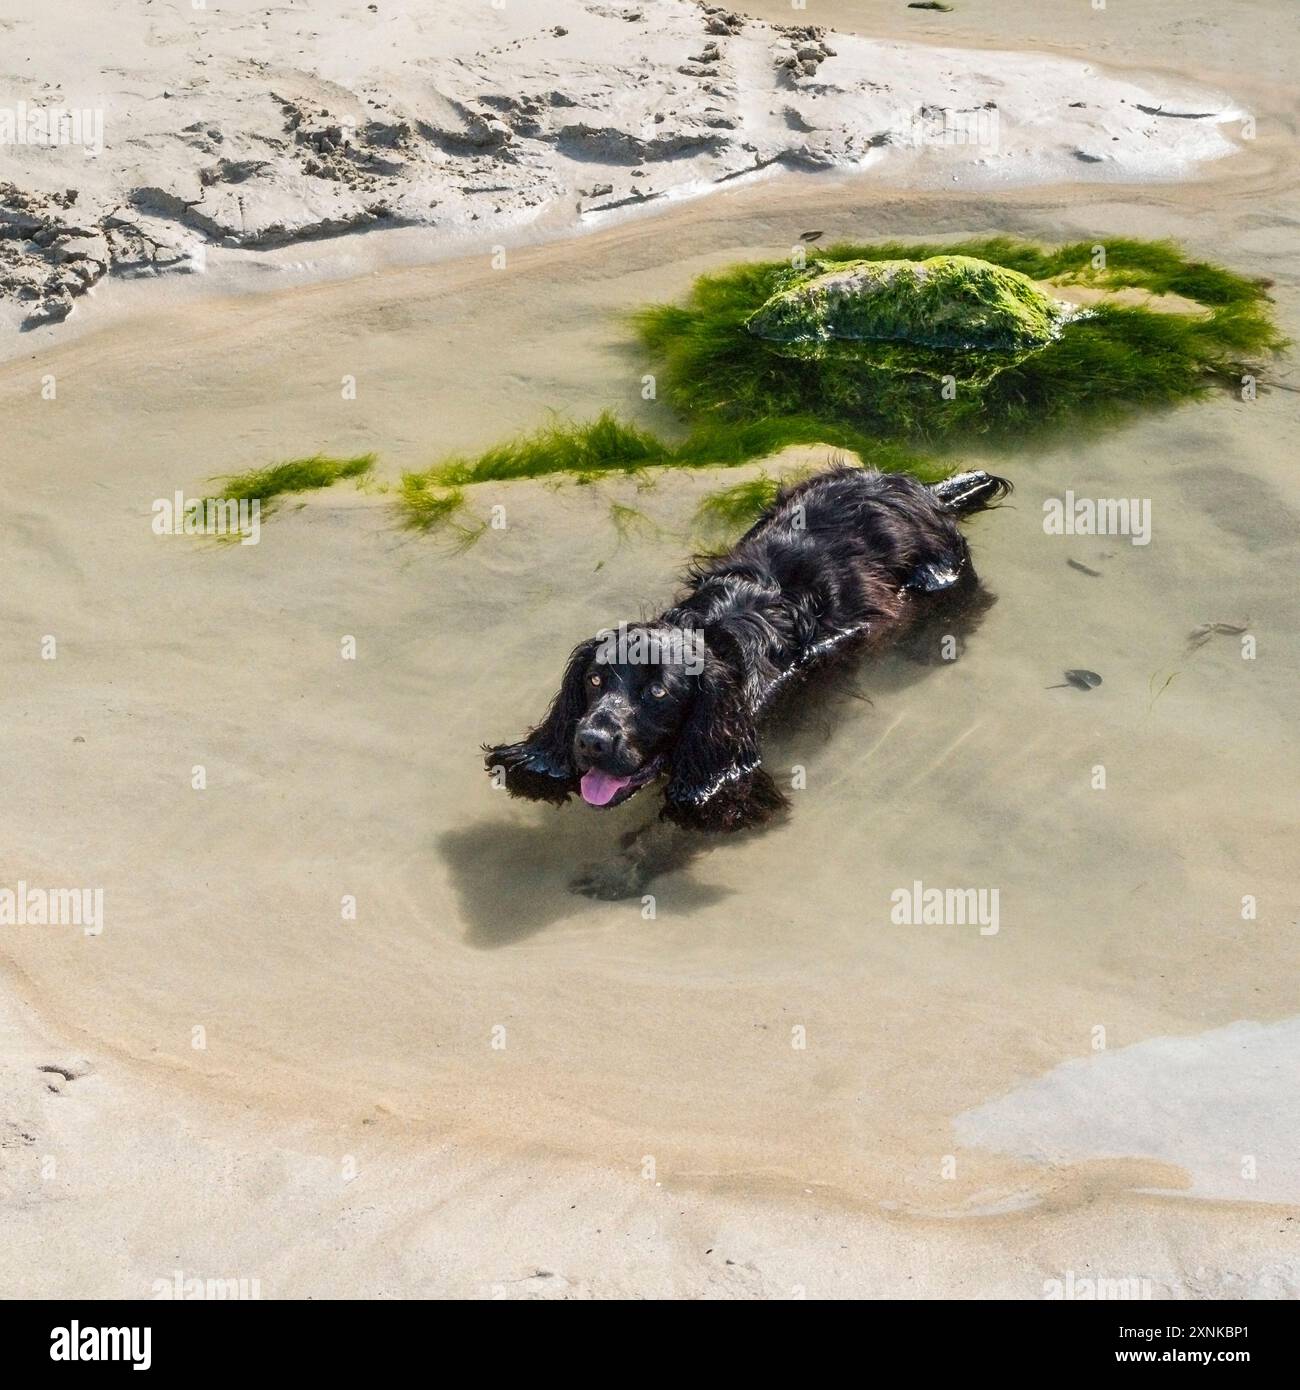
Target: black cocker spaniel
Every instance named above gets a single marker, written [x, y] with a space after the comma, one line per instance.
[845, 561]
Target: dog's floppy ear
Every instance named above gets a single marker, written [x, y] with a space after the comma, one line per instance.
[717, 782]
[540, 766]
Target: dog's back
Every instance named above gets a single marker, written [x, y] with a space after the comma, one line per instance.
[840, 550]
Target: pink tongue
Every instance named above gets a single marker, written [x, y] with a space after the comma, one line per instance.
[599, 788]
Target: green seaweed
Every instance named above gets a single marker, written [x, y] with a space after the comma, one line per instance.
[976, 344]
[730, 511]
[1099, 366]
[629, 522]
[607, 447]
[293, 475]
[424, 505]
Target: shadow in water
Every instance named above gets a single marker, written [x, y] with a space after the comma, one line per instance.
[512, 881]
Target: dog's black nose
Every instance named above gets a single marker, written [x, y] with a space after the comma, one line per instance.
[593, 744]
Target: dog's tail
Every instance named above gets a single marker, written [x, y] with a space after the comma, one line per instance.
[967, 493]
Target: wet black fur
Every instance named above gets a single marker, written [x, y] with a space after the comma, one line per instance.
[848, 560]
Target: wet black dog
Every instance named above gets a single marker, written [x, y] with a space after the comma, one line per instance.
[846, 561]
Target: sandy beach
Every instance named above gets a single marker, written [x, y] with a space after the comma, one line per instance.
[344, 1031]
[188, 140]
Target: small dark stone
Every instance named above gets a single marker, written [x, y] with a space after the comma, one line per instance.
[1079, 679]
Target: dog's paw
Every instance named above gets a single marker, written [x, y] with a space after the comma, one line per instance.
[610, 882]
[525, 772]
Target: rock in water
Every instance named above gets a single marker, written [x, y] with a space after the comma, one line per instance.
[958, 303]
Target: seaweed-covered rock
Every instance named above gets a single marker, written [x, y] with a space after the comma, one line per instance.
[944, 302]
[852, 347]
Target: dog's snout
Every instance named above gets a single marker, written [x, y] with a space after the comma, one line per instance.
[594, 743]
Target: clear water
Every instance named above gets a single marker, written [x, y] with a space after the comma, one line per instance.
[771, 1024]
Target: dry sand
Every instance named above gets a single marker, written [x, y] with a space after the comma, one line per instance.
[649, 1128]
[141, 139]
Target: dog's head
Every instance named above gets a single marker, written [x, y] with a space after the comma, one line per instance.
[643, 701]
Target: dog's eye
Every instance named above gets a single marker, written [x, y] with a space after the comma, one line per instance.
[657, 691]
[594, 679]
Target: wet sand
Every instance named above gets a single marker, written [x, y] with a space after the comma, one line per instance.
[648, 1105]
